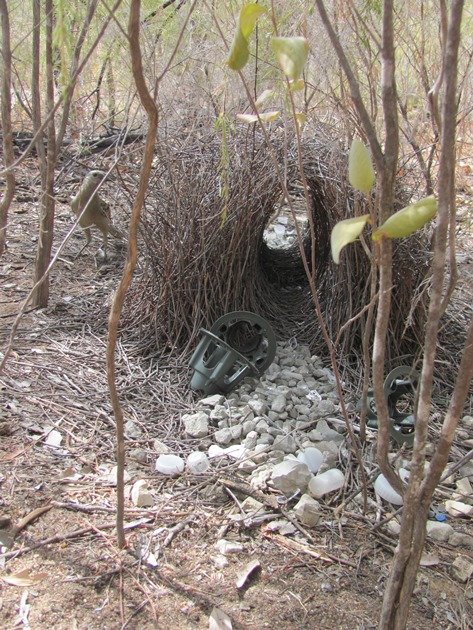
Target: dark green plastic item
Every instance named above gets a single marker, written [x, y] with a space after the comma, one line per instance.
[239, 344]
[400, 382]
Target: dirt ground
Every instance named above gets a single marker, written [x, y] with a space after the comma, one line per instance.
[74, 575]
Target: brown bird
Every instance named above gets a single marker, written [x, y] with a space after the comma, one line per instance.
[93, 211]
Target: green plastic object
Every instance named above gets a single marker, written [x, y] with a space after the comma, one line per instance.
[399, 388]
[238, 345]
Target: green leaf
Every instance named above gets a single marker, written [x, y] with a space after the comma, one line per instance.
[345, 232]
[252, 118]
[240, 52]
[263, 97]
[360, 169]
[292, 54]
[408, 220]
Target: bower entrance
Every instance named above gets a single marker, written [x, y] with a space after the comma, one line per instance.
[207, 255]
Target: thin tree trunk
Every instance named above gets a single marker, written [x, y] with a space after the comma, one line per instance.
[422, 485]
[6, 124]
[152, 111]
[46, 227]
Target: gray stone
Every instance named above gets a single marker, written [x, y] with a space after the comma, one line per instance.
[258, 407]
[467, 421]
[308, 511]
[439, 531]
[286, 443]
[459, 539]
[212, 401]
[279, 403]
[273, 416]
[196, 424]
[251, 440]
[236, 432]
[139, 455]
[325, 407]
[248, 426]
[330, 451]
[262, 426]
[223, 436]
[265, 439]
[290, 476]
[160, 448]
[323, 431]
[219, 413]
[462, 569]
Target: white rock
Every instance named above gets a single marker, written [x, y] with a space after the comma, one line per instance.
[140, 494]
[196, 424]
[236, 451]
[169, 464]
[290, 476]
[458, 509]
[326, 482]
[439, 531]
[312, 457]
[197, 462]
[215, 451]
[308, 510]
[227, 547]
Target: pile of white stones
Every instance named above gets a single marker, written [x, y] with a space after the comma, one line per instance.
[283, 429]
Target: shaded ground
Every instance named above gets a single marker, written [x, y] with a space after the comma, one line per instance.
[55, 379]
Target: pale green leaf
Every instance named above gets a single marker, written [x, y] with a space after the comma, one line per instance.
[301, 119]
[249, 15]
[240, 52]
[291, 53]
[263, 97]
[345, 232]
[408, 220]
[297, 86]
[252, 118]
[360, 169]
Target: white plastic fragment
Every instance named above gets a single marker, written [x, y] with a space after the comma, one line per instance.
[385, 490]
[54, 438]
[169, 464]
[197, 462]
[312, 457]
[326, 482]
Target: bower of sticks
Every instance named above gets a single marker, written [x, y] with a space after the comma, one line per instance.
[209, 203]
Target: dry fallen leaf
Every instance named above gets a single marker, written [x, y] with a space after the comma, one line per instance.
[24, 578]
